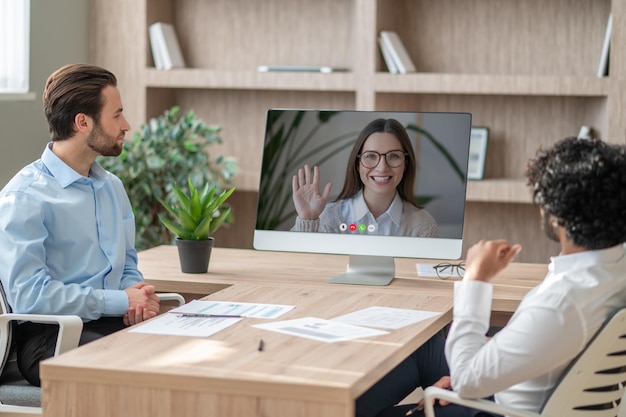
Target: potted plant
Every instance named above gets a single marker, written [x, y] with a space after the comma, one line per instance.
[166, 151]
[196, 216]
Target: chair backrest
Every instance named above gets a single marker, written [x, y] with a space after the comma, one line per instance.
[17, 396]
[6, 330]
[594, 383]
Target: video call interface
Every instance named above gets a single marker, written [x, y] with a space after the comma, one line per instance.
[293, 138]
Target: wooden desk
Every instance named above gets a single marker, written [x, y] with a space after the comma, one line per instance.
[161, 268]
[132, 374]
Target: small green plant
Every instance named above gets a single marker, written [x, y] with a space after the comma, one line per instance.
[197, 215]
[166, 151]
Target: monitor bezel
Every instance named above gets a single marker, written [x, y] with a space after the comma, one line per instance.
[448, 248]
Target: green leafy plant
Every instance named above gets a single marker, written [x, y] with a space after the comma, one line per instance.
[197, 215]
[281, 157]
[166, 151]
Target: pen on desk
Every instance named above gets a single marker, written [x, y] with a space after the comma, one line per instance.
[261, 345]
[209, 315]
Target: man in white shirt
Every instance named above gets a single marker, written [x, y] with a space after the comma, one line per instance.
[580, 188]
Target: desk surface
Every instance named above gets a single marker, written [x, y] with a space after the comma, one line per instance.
[161, 267]
[129, 374]
[229, 363]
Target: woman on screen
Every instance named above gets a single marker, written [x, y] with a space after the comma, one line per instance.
[377, 195]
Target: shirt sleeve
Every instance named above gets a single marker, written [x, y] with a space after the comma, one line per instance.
[303, 225]
[26, 278]
[418, 222]
[531, 344]
[328, 222]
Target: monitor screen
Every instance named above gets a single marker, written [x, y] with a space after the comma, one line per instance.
[370, 184]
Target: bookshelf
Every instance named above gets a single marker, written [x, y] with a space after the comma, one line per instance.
[524, 68]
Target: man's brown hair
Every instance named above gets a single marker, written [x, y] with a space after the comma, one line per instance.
[73, 89]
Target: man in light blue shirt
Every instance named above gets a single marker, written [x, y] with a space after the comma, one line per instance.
[66, 225]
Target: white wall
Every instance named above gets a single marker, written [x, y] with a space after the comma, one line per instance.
[58, 36]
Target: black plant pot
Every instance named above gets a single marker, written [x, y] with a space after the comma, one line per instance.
[194, 255]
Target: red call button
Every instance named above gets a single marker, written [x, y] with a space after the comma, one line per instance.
[352, 227]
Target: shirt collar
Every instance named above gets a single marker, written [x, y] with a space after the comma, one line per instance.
[579, 260]
[65, 175]
[394, 211]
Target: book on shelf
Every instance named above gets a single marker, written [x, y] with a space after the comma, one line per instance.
[391, 66]
[585, 132]
[165, 48]
[393, 45]
[603, 66]
[155, 46]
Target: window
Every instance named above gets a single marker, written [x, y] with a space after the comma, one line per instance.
[14, 45]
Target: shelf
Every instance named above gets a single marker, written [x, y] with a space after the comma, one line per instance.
[248, 80]
[526, 69]
[491, 84]
[505, 190]
[382, 82]
[247, 180]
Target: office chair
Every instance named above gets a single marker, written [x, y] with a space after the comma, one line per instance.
[17, 396]
[592, 385]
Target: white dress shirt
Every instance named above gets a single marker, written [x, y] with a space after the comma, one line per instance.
[553, 323]
[355, 210]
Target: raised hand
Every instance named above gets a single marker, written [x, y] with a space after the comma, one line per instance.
[488, 257]
[307, 197]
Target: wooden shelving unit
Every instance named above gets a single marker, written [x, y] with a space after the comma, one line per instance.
[524, 68]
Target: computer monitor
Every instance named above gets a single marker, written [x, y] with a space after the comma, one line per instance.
[362, 155]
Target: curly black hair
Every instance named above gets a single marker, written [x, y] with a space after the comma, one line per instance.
[582, 183]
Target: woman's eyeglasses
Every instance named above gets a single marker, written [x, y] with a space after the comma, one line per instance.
[445, 270]
[394, 159]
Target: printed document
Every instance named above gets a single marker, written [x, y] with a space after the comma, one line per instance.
[319, 329]
[231, 308]
[178, 325]
[385, 317]
[200, 318]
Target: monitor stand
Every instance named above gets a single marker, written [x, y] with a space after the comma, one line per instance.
[367, 270]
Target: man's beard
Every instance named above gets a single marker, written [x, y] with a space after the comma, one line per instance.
[549, 229]
[103, 143]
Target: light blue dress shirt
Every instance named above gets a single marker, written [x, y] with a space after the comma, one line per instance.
[66, 241]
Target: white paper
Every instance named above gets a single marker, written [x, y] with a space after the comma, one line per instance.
[177, 325]
[230, 308]
[428, 270]
[320, 329]
[385, 317]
